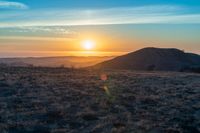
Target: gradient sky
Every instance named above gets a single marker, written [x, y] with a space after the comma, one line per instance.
[57, 27]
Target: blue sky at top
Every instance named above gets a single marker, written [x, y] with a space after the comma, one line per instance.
[96, 12]
[102, 3]
[164, 23]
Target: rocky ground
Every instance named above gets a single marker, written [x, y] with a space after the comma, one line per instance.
[44, 100]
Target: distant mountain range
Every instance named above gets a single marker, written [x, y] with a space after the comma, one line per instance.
[159, 59]
[67, 61]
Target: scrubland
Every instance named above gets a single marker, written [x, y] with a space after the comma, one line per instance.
[58, 100]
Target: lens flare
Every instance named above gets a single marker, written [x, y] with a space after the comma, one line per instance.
[104, 77]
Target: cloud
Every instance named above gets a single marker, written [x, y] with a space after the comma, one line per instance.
[45, 29]
[61, 31]
[56, 33]
[36, 38]
[12, 5]
[120, 15]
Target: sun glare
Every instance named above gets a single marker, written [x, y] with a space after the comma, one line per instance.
[88, 44]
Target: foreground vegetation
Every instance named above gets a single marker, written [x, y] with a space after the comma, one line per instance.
[58, 100]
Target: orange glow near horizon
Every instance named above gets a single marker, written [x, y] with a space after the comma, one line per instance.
[59, 53]
[86, 44]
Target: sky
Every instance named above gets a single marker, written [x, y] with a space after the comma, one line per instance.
[58, 27]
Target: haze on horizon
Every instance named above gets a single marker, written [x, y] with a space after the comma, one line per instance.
[96, 28]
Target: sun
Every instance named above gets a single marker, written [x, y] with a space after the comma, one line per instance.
[88, 44]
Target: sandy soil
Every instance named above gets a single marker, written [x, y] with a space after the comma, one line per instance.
[44, 100]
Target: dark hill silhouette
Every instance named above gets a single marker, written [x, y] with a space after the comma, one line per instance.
[161, 59]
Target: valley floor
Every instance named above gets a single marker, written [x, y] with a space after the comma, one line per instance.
[47, 100]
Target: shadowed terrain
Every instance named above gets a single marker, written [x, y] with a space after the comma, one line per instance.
[44, 100]
[159, 59]
[65, 61]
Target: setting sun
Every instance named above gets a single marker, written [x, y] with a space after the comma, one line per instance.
[88, 44]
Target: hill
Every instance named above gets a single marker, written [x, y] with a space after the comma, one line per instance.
[160, 59]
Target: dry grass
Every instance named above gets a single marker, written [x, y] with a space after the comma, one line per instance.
[44, 100]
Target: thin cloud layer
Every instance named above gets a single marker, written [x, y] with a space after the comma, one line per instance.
[12, 5]
[38, 33]
[125, 15]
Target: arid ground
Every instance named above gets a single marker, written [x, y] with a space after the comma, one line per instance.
[58, 100]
